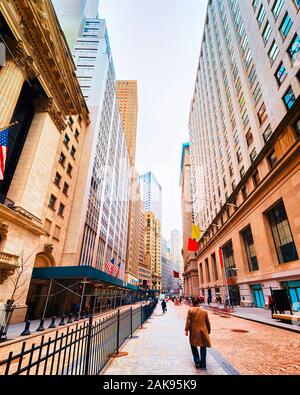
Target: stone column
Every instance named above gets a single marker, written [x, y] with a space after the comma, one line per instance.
[11, 82]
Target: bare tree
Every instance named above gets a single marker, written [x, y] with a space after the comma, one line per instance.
[18, 280]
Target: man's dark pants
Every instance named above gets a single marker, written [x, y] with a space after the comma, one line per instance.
[196, 356]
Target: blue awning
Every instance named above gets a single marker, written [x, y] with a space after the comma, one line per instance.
[78, 272]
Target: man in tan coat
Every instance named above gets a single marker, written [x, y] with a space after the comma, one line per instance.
[197, 323]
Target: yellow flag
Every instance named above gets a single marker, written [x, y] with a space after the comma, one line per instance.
[196, 232]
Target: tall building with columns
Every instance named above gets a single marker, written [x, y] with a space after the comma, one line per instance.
[244, 143]
[39, 90]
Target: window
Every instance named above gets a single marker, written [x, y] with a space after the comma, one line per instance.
[277, 8]
[239, 155]
[66, 188]
[282, 235]
[289, 98]
[250, 250]
[229, 260]
[73, 151]
[272, 159]
[61, 209]
[294, 48]
[286, 25]
[69, 169]
[267, 133]
[62, 159]
[249, 138]
[242, 172]
[244, 192]
[231, 170]
[267, 32]
[76, 134]
[256, 178]
[66, 140]
[47, 225]
[57, 179]
[214, 266]
[70, 121]
[52, 201]
[262, 114]
[281, 73]
[255, 4]
[257, 93]
[274, 50]
[207, 270]
[261, 15]
[253, 155]
[56, 232]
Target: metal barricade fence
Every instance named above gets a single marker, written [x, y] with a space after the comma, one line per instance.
[81, 350]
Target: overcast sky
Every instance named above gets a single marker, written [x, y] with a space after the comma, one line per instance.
[157, 43]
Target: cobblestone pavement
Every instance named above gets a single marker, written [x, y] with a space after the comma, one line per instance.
[264, 350]
[261, 315]
[161, 348]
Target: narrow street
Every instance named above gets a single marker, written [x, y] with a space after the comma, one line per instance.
[239, 347]
[161, 348]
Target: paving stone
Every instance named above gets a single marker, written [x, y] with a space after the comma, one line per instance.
[162, 349]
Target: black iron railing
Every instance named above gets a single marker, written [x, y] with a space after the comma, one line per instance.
[83, 349]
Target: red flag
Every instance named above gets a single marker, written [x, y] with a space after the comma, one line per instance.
[176, 274]
[193, 245]
[3, 151]
[221, 257]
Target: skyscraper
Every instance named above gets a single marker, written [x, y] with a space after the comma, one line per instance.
[128, 106]
[191, 281]
[176, 247]
[72, 16]
[244, 127]
[153, 248]
[151, 194]
[102, 196]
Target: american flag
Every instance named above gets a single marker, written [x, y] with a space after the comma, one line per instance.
[3, 151]
[110, 265]
[117, 269]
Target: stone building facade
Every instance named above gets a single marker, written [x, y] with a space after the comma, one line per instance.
[244, 133]
[39, 90]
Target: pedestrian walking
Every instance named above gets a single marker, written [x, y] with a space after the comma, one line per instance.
[209, 300]
[198, 325]
[271, 305]
[164, 306]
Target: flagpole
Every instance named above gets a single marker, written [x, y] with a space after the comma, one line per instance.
[9, 126]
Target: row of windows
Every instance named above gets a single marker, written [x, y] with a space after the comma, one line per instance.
[272, 160]
[282, 238]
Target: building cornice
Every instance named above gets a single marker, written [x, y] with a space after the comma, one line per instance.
[35, 28]
[19, 219]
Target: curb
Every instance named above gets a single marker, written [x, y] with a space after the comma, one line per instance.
[291, 329]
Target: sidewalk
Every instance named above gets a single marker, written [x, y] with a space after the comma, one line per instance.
[161, 348]
[15, 330]
[262, 316]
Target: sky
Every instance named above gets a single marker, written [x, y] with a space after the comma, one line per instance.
[157, 43]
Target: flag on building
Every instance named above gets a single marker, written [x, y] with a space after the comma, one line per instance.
[176, 274]
[110, 265]
[221, 256]
[196, 232]
[193, 245]
[3, 151]
[117, 269]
